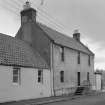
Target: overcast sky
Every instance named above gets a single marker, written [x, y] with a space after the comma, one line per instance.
[86, 15]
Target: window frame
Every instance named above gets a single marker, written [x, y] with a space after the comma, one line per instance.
[62, 54]
[62, 76]
[16, 75]
[88, 76]
[40, 76]
[79, 58]
[89, 60]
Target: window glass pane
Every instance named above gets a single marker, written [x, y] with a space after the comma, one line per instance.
[16, 75]
[62, 76]
[88, 76]
[15, 79]
[62, 53]
[39, 79]
[78, 58]
[15, 72]
[40, 75]
[89, 63]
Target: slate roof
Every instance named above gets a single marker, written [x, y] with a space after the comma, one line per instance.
[16, 52]
[64, 40]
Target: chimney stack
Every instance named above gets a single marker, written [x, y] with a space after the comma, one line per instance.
[28, 14]
[76, 35]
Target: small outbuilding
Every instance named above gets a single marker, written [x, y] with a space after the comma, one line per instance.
[98, 78]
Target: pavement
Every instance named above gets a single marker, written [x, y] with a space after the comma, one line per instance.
[53, 99]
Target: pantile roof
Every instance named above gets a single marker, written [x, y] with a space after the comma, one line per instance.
[16, 52]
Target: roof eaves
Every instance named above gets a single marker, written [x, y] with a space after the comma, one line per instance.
[87, 49]
[68, 47]
[53, 40]
[25, 66]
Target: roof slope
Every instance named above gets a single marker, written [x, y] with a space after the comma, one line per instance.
[64, 40]
[16, 52]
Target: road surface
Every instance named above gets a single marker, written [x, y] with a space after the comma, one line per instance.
[87, 100]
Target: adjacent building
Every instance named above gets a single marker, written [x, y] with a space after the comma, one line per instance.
[98, 80]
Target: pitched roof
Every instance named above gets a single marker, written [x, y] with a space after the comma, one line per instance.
[16, 52]
[64, 40]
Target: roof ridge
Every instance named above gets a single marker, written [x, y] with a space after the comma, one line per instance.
[55, 30]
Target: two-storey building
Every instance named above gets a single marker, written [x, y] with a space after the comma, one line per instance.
[70, 61]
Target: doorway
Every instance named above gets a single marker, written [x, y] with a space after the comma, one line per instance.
[78, 78]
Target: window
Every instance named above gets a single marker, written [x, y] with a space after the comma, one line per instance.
[89, 63]
[62, 76]
[40, 76]
[88, 78]
[16, 75]
[62, 53]
[78, 58]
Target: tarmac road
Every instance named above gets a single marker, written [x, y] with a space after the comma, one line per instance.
[87, 100]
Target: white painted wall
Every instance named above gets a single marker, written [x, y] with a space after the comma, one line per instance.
[98, 82]
[71, 67]
[29, 87]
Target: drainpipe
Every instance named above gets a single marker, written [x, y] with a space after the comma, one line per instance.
[52, 69]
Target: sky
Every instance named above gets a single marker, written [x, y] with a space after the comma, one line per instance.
[88, 16]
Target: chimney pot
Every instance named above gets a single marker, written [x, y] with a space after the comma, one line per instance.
[28, 14]
[27, 5]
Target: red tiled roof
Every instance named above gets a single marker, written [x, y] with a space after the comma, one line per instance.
[16, 52]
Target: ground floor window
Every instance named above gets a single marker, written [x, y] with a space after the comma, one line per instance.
[88, 78]
[40, 76]
[16, 75]
[62, 76]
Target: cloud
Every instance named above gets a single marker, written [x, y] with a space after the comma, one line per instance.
[98, 49]
[86, 15]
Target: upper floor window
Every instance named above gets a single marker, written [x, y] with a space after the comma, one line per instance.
[40, 76]
[16, 75]
[62, 76]
[78, 58]
[89, 62]
[62, 53]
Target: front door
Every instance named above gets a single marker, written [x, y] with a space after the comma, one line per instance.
[78, 78]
